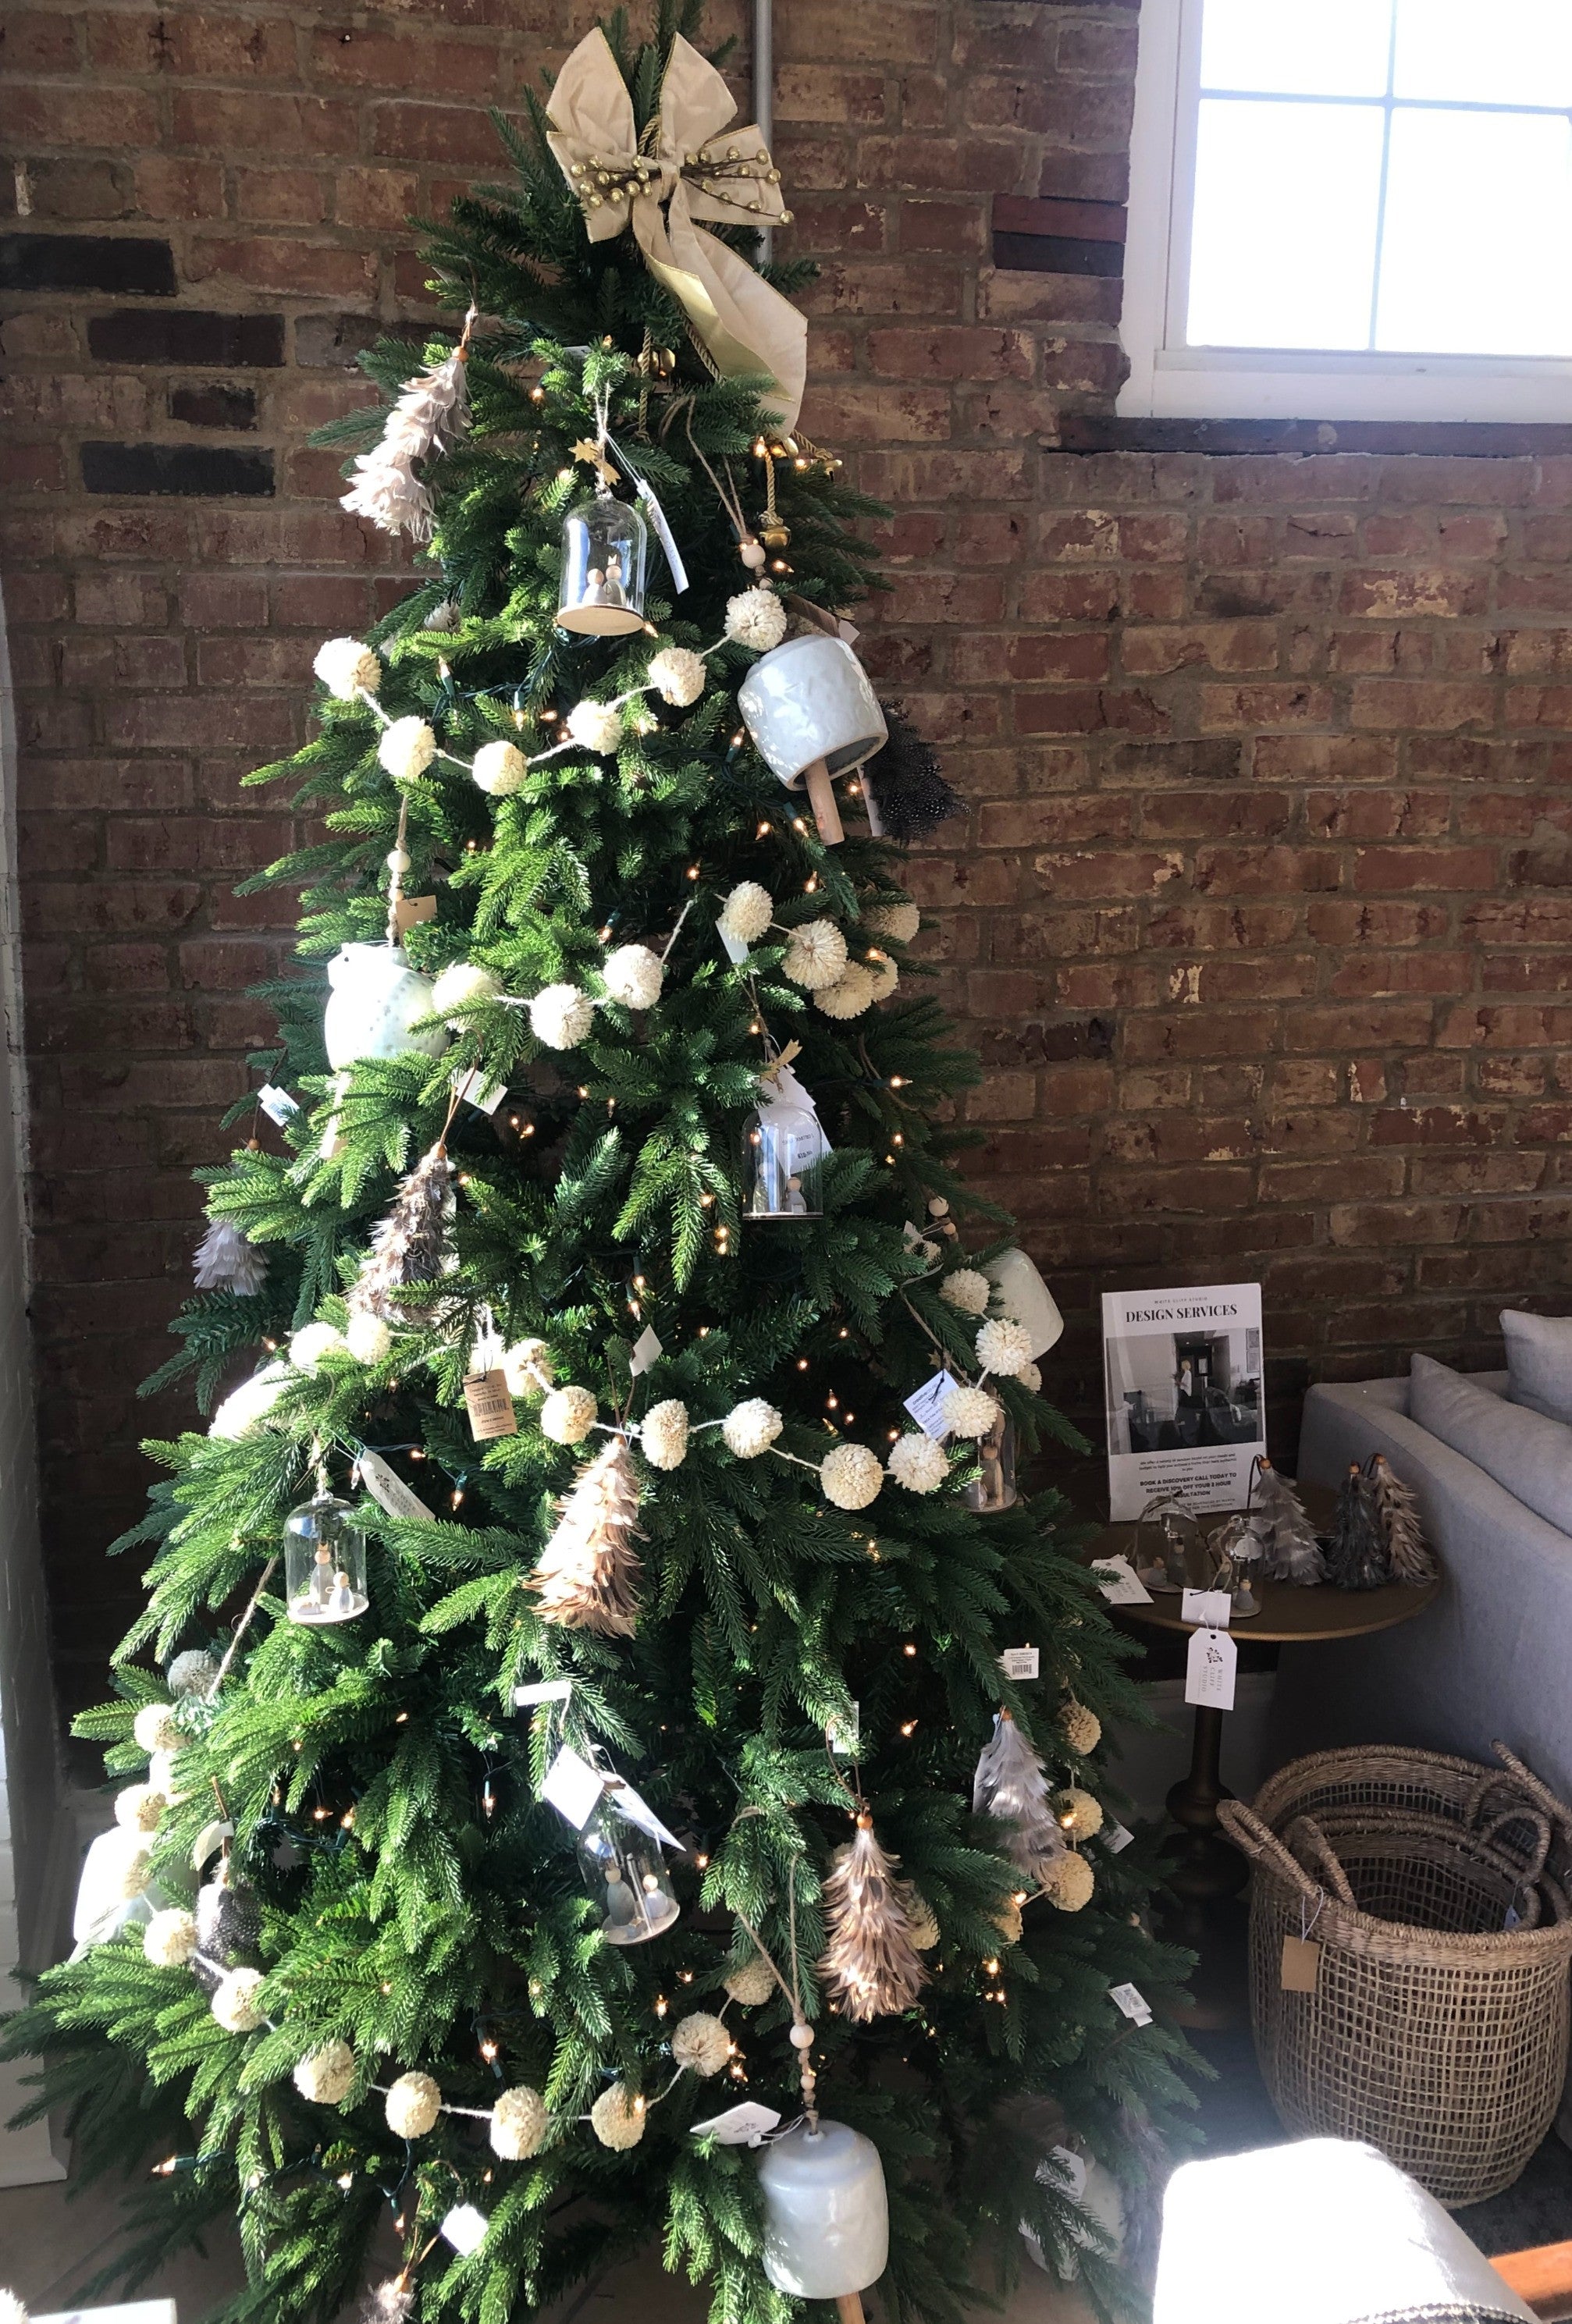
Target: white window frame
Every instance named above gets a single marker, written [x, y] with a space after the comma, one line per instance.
[1170, 380]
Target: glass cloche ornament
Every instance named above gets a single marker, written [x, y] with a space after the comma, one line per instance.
[604, 547]
[993, 1488]
[324, 1560]
[624, 1872]
[783, 1151]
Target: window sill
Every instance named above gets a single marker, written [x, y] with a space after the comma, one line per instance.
[1501, 440]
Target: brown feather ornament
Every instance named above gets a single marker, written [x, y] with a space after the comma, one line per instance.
[589, 1571]
[409, 1249]
[870, 1965]
[1398, 1511]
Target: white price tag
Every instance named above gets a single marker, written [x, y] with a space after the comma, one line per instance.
[925, 1406]
[1132, 2002]
[1063, 2168]
[572, 1787]
[646, 1350]
[475, 1090]
[736, 951]
[545, 1690]
[1120, 1583]
[1210, 1668]
[846, 1734]
[387, 1489]
[276, 1103]
[464, 2228]
[1020, 1662]
[739, 2126]
[1212, 1607]
[1114, 1837]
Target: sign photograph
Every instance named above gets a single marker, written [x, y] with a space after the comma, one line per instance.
[1187, 1413]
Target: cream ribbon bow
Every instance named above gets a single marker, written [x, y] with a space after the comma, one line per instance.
[741, 324]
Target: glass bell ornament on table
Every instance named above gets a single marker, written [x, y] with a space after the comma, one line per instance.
[826, 2214]
[604, 548]
[1179, 1559]
[324, 1562]
[1236, 1547]
[812, 714]
[783, 1151]
[993, 1488]
[625, 1873]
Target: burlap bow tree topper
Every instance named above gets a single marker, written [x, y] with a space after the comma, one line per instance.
[686, 171]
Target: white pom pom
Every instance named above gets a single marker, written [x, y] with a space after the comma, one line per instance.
[1004, 1346]
[500, 769]
[160, 1774]
[751, 1428]
[1068, 1882]
[700, 2043]
[885, 976]
[969, 1411]
[851, 1476]
[464, 985]
[406, 749]
[616, 2118]
[751, 1984]
[664, 1434]
[594, 726]
[1009, 1923]
[248, 1405]
[1082, 1729]
[899, 921]
[521, 1365]
[677, 676]
[967, 1289]
[138, 1807]
[518, 2124]
[633, 975]
[134, 1865]
[853, 992]
[191, 1673]
[567, 1416]
[755, 618]
[1031, 1376]
[921, 1926]
[170, 1939]
[919, 1464]
[413, 2104]
[327, 2075]
[561, 1016]
[235, 2002]
[368, 1338]
[312, 1341]
[156, 1727]
[747, 912]
[347, 668]
[1079, 1812]
[815, 955]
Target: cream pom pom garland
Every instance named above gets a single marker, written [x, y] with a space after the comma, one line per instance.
[247, 1407]
[193, 1672]
[815, 955]
[633, 975]
[138, 1807]
[348, 668]
[561, 1016]
[851, 1476]
[1082, 1729]
[916, 1462]
[160, 1774]
[527, 1368]
[885, 975]
[663, 1434]
[567, 1415]
[311, 1343]
[755, 618]
[368, 1338]
[900, 922]
[326, 2076]
[751, 1428]
[155, 1727]
[411, 2106]
[617, 2118]
[500, 769]
[595, 727]
[406, 748]
[920, 1925]
[1031, 1376]
[519, 2122]
[1007, 1920]
[170, 1939]
[855, 990]
[135, 1864]
[1079, 1812]
[701, 2045]
[464, 984]
[751, 1984]
[967, 1411]
[677, 675]
[235, 2002]
[1004, 1346]
[968, 1289]
[1068, 1882]
[747, 912]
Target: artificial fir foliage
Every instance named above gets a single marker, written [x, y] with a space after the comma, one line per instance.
[423, 2014]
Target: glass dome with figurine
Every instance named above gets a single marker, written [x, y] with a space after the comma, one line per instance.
[604, 548]
[783, 1151]
[624, 1872]
[324, 1562]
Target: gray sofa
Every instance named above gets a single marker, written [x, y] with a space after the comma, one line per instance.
[1491, 1655]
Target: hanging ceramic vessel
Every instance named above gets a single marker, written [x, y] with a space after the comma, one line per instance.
[375, 999]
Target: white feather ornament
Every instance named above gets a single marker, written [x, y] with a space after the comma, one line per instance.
[870, 1964]
[226, 1261]
[1010, 1785]
[519, 2122]
[854, 991]
[916, 1462]
[347, 669]
[968, 1289]
[851, 1476]
[406, 749]
[633, 975]
[677, 675]
[499, 769]
[663, 1434]
[588, 1575]
[432, 412]
[815, 955]
[594, 726]
[751, 1428]
[410, 1249]
[561, 1016]
[756, 618]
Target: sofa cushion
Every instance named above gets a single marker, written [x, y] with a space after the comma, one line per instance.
[1528, 1453]
[1539, 1356]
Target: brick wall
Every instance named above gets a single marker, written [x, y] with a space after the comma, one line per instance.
[1261, 914]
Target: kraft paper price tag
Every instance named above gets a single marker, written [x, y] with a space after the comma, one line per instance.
[387, 1489]
[1063, 2168]
[846, 1734]
[464, 2228]
[1120, 1583]
[925, 1406]
[573, 1787]
[1132, 2002]
[475, 1090]
[491, 1407]
[736, 951]
[1212, 1607]
[646, 1350]
[276, 1103]
[409, 911]
[1020, 1662]
[1114, 1837]
[1210, 1668]
[739, 2126]
[545, 1690]
[1302, 1965]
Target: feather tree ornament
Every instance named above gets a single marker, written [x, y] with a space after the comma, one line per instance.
[410, 1248]
[589, 1571]
[390, 2302]
[1289, 1550]
[226, 1262]
[431, 412]
[1408, 1552]
[903, 784]
[1357, 1559]
[1010, 1785]
[870, 1965]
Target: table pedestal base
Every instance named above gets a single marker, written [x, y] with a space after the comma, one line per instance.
[1206, 1874]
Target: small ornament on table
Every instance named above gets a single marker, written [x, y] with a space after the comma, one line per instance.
[1235, 1548]
[1397, 1510]
[587, 1574]
[870, 1964]
[1178, 1561]
[784, 1149]
[226, 1262]
[1356, 1556]
[1292, 1552]
[324, 1560]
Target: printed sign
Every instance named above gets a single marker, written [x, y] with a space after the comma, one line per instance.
[1182, 1372]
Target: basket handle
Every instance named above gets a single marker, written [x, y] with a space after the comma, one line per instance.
[1245, 1828]
[1306, 1833]
[1556, 1809]
[1533, 1864]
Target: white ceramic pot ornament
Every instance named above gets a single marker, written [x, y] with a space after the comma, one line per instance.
[813, 715]
[375, 998]
[1026, 1297]
[826, 2216]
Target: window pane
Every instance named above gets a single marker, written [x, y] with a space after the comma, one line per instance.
[1283, 245]
[1515, 52]
[1301, 48]
[1462, 270]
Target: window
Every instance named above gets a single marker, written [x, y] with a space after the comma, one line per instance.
[1351, 209]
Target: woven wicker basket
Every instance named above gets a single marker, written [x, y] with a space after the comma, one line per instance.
[1434, 2030]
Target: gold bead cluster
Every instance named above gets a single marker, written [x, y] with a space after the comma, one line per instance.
[598, 182]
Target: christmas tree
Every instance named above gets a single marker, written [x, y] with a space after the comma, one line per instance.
[554, 1719]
